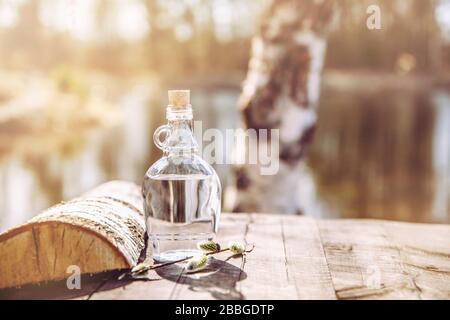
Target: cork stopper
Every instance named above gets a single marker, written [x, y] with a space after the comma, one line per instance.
[179, 99]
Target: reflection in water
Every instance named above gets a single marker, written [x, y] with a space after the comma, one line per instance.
[134, 138]
[32, 181]
[82, 171]
[375, 155]
[381, 155]
[18, 192]
[441, 157]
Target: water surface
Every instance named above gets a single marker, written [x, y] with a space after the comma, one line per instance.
[375, 155]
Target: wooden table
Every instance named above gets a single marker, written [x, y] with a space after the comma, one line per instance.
[296, 257]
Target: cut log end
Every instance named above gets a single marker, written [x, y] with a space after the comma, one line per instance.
[102, 230]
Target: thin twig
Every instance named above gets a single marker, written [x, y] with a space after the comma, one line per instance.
[147, 268]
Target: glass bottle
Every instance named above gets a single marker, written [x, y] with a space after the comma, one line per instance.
[181, 191]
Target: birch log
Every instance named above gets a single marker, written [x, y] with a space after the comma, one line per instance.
[280, 92]
[102, 230]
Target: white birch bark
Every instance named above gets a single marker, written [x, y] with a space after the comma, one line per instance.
[281, 92]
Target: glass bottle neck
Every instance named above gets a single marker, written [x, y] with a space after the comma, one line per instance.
[180, 141]
[180, 124]
[174, 114]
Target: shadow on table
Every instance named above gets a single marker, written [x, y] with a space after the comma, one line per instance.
[219, 279]
[58, 289]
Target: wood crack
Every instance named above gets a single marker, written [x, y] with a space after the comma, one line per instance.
[36, 248]
[89, 247]
[428, 268]
[54, 261]
[283, 237]
[358, 292]
[79, 240]
[319, 234]
[424, 251]
[404, 270]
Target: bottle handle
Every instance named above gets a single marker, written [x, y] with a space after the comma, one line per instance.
[157, 136]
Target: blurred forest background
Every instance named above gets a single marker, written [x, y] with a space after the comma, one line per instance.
[83, 86]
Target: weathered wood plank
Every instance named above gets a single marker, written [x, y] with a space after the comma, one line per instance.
[225, 277]
[363, 262]
[305, 258]
[299, 258]
[267, 269]
[266, 274]
[172, 284]
[424, 252]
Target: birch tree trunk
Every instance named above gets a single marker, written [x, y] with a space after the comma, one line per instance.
[281, 92]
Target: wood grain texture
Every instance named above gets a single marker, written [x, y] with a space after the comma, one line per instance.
[424, 252]
[102, 230]
[294, 257]
[305, 258]
[363, 262]
[302, 258]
